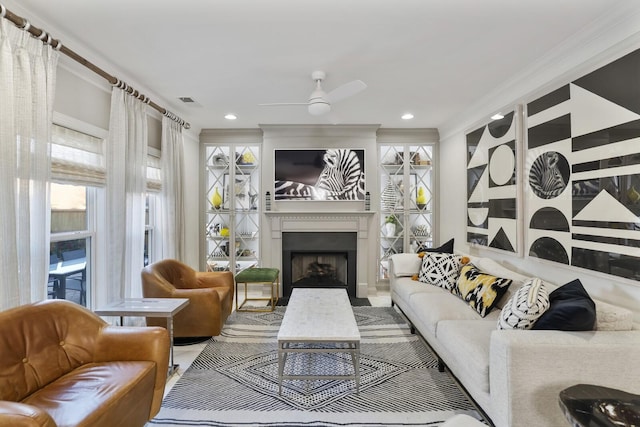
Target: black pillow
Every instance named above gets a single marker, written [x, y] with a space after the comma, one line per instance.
[571, 309]
[447, 248]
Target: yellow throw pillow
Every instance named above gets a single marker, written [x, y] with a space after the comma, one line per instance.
[480, 290]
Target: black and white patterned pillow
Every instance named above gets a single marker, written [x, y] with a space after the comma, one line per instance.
[440, 269]
[525, 307]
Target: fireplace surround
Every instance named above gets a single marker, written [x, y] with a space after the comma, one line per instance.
[279, 223]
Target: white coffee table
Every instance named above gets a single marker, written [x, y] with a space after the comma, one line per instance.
[151, 307]
[319, 316]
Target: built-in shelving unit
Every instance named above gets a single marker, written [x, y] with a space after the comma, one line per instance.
[407, 200]
[231, 205]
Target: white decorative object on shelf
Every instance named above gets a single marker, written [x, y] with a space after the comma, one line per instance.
[389, 229]
[421, 230]
[389, 196]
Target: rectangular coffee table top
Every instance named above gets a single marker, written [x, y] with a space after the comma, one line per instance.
[158, 307]
[319, 314]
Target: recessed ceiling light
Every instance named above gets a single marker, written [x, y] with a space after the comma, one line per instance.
[407, 116]
[497, 116]
[230, 116]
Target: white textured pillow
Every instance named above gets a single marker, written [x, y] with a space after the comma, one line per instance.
[405, 265]
[612, 318]
[440, 269]
[525, 306]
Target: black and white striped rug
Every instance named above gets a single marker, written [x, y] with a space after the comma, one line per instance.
[234, 381]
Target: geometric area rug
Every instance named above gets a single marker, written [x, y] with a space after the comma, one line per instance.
[234, 380]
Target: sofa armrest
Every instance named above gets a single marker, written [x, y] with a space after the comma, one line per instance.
[528, 369]
[121, 343]
[404, 265]
[17, 414]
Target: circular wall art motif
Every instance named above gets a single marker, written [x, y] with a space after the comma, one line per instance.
[549, 249]
[549, 219]
[478, 216]
[549, 175]
[502, 165]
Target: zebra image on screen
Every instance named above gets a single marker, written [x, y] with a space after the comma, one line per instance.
[342, 178]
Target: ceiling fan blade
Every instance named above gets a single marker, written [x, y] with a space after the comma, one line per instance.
[345, 91]
[281, 104]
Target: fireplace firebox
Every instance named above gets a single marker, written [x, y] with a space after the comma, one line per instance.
[319, 259]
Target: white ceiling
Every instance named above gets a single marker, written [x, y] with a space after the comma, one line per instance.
[433, 58]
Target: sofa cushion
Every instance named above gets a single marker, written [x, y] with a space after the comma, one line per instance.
[572, 309]
[525, 307]
[480, 290]
[612, 318]
[440, 269]
[404, 287]
[468, 342]
[436, 307]
[446, 247]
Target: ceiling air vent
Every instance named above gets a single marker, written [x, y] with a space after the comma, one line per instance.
[187, 99]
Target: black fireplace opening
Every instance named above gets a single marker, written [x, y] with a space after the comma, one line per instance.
[319, 259]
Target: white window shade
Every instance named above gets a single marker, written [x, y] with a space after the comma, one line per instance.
[154, 173]
[76, 157]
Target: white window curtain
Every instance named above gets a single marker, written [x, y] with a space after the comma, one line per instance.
[27, 82]
[172, 215]
[126, 161]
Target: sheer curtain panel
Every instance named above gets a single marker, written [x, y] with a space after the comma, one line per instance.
[27, 82]
[126, 157]
[172, 205]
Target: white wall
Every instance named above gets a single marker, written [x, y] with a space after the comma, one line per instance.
[571, 60]
[191, 199]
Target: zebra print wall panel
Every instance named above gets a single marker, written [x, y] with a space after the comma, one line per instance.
[582, 171]
[492, 202]
[331, 174]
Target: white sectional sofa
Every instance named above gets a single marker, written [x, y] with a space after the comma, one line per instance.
[515, 376]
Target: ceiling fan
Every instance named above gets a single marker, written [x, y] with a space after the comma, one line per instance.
[319, 102]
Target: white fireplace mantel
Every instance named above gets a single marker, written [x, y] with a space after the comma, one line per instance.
[324, 221]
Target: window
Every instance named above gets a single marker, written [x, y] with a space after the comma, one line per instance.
[149, 232]
[154, 185]
[71, 243]
[78, 173]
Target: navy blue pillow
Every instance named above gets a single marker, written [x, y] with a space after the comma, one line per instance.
[447, 248]
[571, 309]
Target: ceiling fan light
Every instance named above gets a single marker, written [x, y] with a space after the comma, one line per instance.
[319, 108]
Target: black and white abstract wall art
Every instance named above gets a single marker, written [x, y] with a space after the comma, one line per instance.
[492, 202]
[328, 174]
[582, 170]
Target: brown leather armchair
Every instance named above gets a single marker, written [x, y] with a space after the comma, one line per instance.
[210, 297]
[62, 365]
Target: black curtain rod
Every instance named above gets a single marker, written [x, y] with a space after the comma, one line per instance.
[40, 34]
